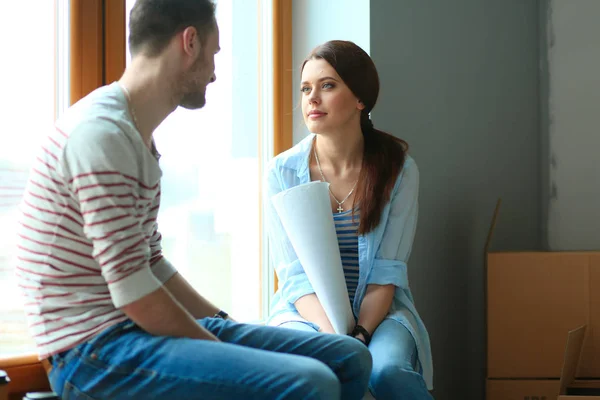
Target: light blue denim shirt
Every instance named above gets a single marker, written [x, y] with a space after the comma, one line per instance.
[383, 252]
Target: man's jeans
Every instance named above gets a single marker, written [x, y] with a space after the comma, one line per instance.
[250, 362]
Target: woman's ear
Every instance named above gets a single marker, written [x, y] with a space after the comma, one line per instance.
[360, 105]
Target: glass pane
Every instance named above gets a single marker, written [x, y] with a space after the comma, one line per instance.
[209, 215]
[31, 81]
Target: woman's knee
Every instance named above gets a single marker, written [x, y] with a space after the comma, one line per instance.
[392, 379]
[393, 346]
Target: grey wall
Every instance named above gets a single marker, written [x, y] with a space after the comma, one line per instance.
[544, 40]
[460, 83]
[573, 140]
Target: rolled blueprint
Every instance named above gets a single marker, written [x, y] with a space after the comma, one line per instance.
[306, 216]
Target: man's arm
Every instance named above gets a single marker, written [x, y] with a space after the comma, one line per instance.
[158, 313]
[115, 207]
[189, 298]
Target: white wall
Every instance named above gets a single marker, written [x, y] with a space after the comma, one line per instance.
[317, 21]
[574, 124]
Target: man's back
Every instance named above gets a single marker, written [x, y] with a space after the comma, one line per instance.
[88, 225]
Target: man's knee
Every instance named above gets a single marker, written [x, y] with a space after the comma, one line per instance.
[359, 353]
[317, 381]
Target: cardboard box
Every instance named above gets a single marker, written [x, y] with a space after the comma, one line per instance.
[511, 389]
[565, 388]
[569, 388]
[533, 300]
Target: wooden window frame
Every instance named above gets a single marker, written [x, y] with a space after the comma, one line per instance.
[97, 48]
[282, 81]
[96, 57]
[282, 75]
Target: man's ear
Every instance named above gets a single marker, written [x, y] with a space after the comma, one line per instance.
[191, 42]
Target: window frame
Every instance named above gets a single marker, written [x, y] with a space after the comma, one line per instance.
[97, 56]
[282, 83]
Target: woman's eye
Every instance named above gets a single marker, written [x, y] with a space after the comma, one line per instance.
[305, 89]
[328, 85]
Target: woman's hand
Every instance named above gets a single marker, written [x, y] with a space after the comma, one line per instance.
[360, 337]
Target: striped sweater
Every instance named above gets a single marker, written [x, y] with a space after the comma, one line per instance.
[88, 241]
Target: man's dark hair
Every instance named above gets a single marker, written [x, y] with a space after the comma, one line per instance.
[153, 23]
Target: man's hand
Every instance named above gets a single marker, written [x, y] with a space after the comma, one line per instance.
[189, 298]
[159, 314]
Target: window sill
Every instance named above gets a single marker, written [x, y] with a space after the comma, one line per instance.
[26, 374]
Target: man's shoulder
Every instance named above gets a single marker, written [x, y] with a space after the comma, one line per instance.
[97, 121]
[96, 134]
[99, 108]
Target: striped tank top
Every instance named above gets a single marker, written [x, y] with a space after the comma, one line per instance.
[347, 234]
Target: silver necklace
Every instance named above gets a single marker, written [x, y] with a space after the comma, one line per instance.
[130, 106]
[340, 208]
[135, 120]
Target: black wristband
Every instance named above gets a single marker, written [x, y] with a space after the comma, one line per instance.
[360, 329]
[221, 314]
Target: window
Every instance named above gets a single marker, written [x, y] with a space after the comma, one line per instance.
[211, 159]
[36, 91]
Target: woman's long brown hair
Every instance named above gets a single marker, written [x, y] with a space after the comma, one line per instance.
[384, 154]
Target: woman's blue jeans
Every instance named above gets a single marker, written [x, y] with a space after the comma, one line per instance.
[394, 354]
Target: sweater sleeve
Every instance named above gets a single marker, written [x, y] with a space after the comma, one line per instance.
[100, 166]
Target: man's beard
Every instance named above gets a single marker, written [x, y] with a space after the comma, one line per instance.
[194, 100]
[194, 91]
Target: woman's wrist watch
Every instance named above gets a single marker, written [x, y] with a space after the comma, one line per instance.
[359, 329]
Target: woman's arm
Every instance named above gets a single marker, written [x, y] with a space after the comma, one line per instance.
[375, 306]
[310, 308]
[389, 270]
[293, 281]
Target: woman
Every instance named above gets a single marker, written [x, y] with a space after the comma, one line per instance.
[374, 191]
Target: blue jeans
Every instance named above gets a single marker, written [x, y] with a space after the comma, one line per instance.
[394, 361]
[250, 362]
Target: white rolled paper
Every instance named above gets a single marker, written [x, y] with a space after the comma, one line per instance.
[306, 216]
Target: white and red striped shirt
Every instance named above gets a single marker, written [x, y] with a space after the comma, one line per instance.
[88, 240]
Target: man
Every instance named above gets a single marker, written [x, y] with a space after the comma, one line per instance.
[107, 310]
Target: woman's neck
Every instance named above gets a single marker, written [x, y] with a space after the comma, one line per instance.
[341, 153]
